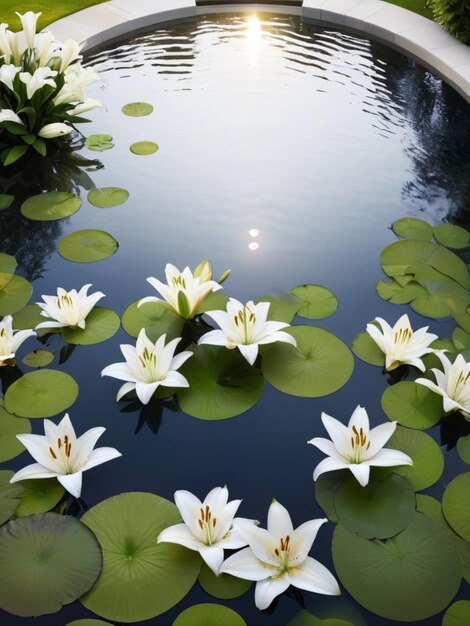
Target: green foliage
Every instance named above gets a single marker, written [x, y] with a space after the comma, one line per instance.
[454, 15]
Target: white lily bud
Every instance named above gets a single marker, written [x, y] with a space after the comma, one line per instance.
[56, 129]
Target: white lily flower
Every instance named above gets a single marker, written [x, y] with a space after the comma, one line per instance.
[85, 106]
[29, 21]
[5, 50]
[11, 340]
[77, 79]
[48, 47]
[278, 557]
[57, 129]
[401, 344]
[42, 76]
[68, 308]
[69, 54]
[14, 43]
[453, 384]
[245, 326]
[207, 526]
[7, 115]
[148, 366]
[356, 447]
[184, 292]
[7, 75]
[59, 453]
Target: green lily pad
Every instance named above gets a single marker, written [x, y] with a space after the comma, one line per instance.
[39, 496]
[412, 228]
[5, 201]
[408, 577]
[29, 317]
[215, 301]
[365, 348]
[463, 449]
[87, 246]
[209, 615]
[395, 293]
[281, 309]
[140, 578]
[381, 509]
[304, 618]
[42, 393]
[49, 206]
[88, 622]
[101, 324]
[452, 236]
[456, 505]
[137, 109]
[221, 384]
[8, 263]
[458, 614]
[144, 148]
[319, 365]
[15, 292]
[99, 142]
[48, 560]
[326, 487]
[412, 405]
[157, 320]
[442, 299]
[38, 358]
[460, 339]
[224, 586]
[106, 197]
[427, 457]
[10, 426]
[318, 301]
[10, 495]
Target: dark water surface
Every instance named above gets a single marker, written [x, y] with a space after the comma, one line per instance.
[315, 138]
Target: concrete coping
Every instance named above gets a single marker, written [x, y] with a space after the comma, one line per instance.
[411, 34]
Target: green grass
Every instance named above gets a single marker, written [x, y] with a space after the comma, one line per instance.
[418, 6]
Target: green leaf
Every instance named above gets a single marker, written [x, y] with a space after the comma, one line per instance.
[318, 301]
[8, 264]
[395, 293]
[183, 305]
[215, 301]
[456, 505]
[452, 236]
[101, 324]
[365, 348]
[106, 197]
[281, 309]
[412, 228]
[88, 622]
[412, 405]
[137, 109]
[99, 142]
[223, 586]
[209, 615]
[144, 148]
[87, 246]
[5, 201]
[156, 318]
[40, 146]
[15, 292]
[28, 317]
[39, 496]
[10, 426]
[52, 205]
[326, 487]
[10, 496]
[38, 358]
[458, 614]
[304, 618]
[13, 154]
[463, 449]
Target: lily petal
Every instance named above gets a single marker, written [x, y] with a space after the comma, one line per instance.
[313, 576]
[267, 590]
[244, 564]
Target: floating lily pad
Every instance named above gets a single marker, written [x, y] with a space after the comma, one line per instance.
[432, 508]
[10, 496]
[89, 622]
[224, 586]
[101, 324]
[99, 142]
[215, 301]
[38, 358]
[221, 384]
[412, 228]
[326, 487]
[395, 293]
[39, 496]
[318, 301]
[412, 405]
[155, 318]
[53, 205]
[10, 426]
[427, 457]
[304, 618]
[137, 109]
[42, 393]
[209, 615]
[452, 236]
[6, 200]
[408, 577]
[28, 317]
[281, 309]
[15, 292]
[456, 505]
[444, 298]
[140, 578]
[458, 614]
[144, 148]
[7, 263]
[460, 339]
[87, 246]
[381, 509]
[106, 197]
[463, 449]
[365, 348]
[319, 365]
[48, 560]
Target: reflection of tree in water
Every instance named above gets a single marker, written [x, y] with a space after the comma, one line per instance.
[31, 242]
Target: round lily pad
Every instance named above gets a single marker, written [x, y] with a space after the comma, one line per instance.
[15, 292]
[10, 426]
[42, 393]
[89, 622]
[101, 324]
[427, 457]
[408, 577]
[456, 505]
[432, 508]
[144, 148]
[215, 301]
[38, 358]
[281, 309]
[99, 142]
[463, 449]
[140, 578]
[87, 246]
[7, 263]
[365, 348]
[452, 236]
[412, 405]
[304, 618]
[137, 109]
[224, 586]
[460, 339]
[326, 487]
[48, 560]
[318, 301]
[28, 317]
[381, 509]
[221, 384]
[157, 320]
[6, 200]
[52, 205]
[106, 197]
[395, 293]
[319, 365]
[209, 615]
[10, 496]
[412, 228]
[39, 496]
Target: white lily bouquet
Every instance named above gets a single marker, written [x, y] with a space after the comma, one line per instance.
[42, 89]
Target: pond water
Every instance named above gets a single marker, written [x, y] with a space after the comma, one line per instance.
[286, 151]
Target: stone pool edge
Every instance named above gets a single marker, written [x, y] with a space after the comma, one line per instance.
[407, 32]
